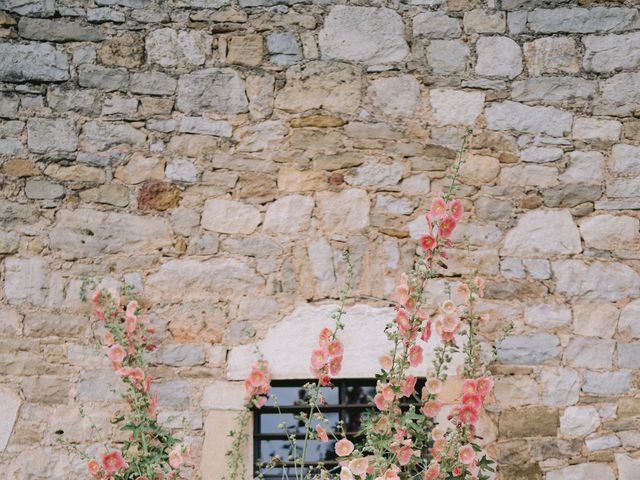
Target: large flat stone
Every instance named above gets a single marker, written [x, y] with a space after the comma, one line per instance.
[10, 405]
[33, 62]
[220, 90]
[516, 116]
[531, 349]
[602, 281]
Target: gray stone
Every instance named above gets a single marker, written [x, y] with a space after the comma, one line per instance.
[607, 383]
[538, 268]
[41, 189]
[283, 48]
[120, 106]
[623, 187]
[600, 281]
[104, 14]
[164, 126]
[394, 205]
[375, 173]
[552, 55]
[109, 194]
[98, 136]
[516, 116]
[395, 96]
[628, 466]
[24, 280]
[455, 107]
[171, 48]
[9, 105]
[611, 52]
[32, 8]
[626, 159]
[253, 246]
[603, 442]
[630, 319]
[11, 147]
[86, 233]
[561, 386]
[436, 25]
[629, 355]
[152, 83]
[58, 31]
[553, 89]
[528, 175]
[482, 21]
[512, 268]
[620, 95]
[543, 233]
[43, 324]
[447, 57]
[103, 78]
[596, 129]
[547, 316]
[498, 57]
[609, 232]
[10, 406]
[584, 167]
[51, 136]
[418, 184]
[541, 154]
[588, 352]
[181, 355]
[219, 90]
[13, 214]
[288, 215]
[181, 170]
[83, 101]
[343, 212]
[595, 319]
[579, 421]
[363, 34]
[205, 126]
[570, 195]
[228, 216]
[183, 220]
[9, 242]
[582, 20]
[531, 349]
[32, 62]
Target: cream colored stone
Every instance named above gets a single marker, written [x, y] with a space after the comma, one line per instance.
[479, 170]
[346, 211]
[217, 442]
[294, 180]
[228, 216]
[140, 168]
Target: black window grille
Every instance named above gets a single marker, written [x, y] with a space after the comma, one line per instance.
[347, 401]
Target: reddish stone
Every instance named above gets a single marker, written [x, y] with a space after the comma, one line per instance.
[158, 196]
[336, 179]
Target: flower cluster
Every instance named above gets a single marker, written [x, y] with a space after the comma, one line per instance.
[151, 452]
[326, 360]
[258, 383]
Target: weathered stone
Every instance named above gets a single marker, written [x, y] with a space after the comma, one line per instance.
[375, 173]
[98, 136]
[611, 52]
[595, 319]
[11, 404]
[205, 126]
[228, 216]
[529, 349]
[560, 386]
[596, 130]
[455, 107]
[583, 471]
[603, 442]
[436, 25]
[528, 422]
[283, 48]
[258, 137]
[552, 55]
[123, 50]
[245, 50]
[171, 48]
[58, 30]
[35, 8]
[48, 324]
[104, 14]
[588, 352]
[570, 195]
[619, 95]
[103, 78]
[24, 280]
[607, 383]
[9, 242]
[623, 187]
[51, 136]
[628, 467]
[120, 106]
[139, 169]
[602, 281]
[553, 89]
[541, 154]
[221, 395]
[498, 57]
[76, 173]
[181, 170]
[630, 319]
[515, 391]
[294, 180]
[41, 189]
[331, 86]
[516, 116]
[83, 101]
[419, 184]
[109, 194]
[626, 159]
[581, 20]
[629, 355]
[547, 316]
[395, 96]
[288, 215]
[363, 34]
[13, 214]
[479, 170]
[346, 211]
[152, 83]
[609, 232]
[11, 147]
[579, 421]
[206, 280]
[447, 57]
[181, 355]
[542, 233]
[394, 205]
[219, 90]
[482, 21]
[86, 233]
[33, 62]
[260, 92]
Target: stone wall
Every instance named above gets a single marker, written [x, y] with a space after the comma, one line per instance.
[220, 154]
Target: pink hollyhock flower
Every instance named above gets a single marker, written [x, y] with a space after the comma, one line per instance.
[428, 242]
[438, 208]
[346, 474]
[447, 336]
[382, 424]
[335, 349]
[415, 355]
[432, 408]
[113, 461]
[402, 318]
[447, 226]
[132, 307]
[457, 209]
[387, 392]
[257, 378]
[325, 336]
[130, 323]
[456, 471]
[117, 355]
[432, 472]
[469, 386]
[108, 339]
[94, 467]
[344, 447]
[463, 290]
[386, 362]
[450, 323]
[473, 399]
[468, 414]
[359, 466]
[335, 366]
[433, 386]
[175, 457]
[153, 406]
[437, 433]
[96, 297]
[448, 306]
[324, 380]
[466, 454]
[322, 434]
[408, 385]
[392, 473]
[484, 385]
[147, 383]
[319, 358]
[426, 333]
[404, 455]
[401, 294]
[479, 282]
[260, 401]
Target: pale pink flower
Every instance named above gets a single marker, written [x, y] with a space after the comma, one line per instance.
[426, 333]
[260, 401]
[130, 323]
[325, 336]
[386, 362]
[432, 408]
[479, 282]
[113, 461]
[448, 306]
[175, 457]
[346, 474]
[96, 297]
[402, 318]
[450, 323]
[319, 358]
[322, 434]
[463, 290]
[473, 399]
[117, 355]
[257, 378]
[466, 454]
[94, 467]
[335, 366]
[408, 385]
[359, 466]
[344, 447]
[415, 355]
[335, 349]
[484, 385]
[108, 339]
[432, 472]
[469, 386]
[392, 473]
[387, 392]
[434, 386]
[437, 433]
[404, 455]
[457, 209]
[438, 208]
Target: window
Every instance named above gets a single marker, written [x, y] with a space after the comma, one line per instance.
[347, 401]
